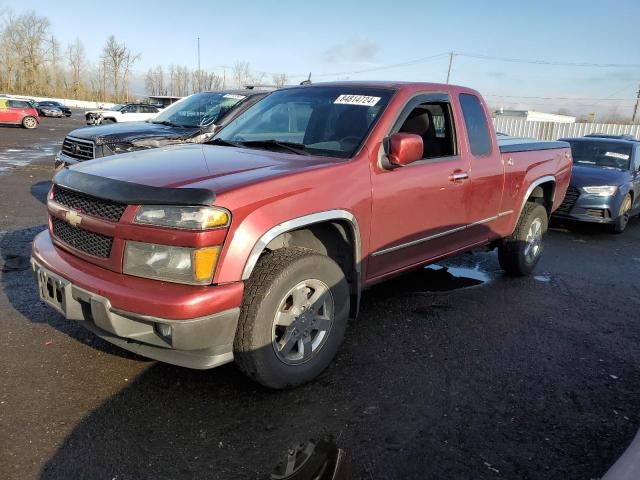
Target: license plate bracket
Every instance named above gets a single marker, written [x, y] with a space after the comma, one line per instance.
[52, 289]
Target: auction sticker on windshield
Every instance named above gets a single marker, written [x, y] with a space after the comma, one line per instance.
[363, 100]
[621, 156]
[234, 96]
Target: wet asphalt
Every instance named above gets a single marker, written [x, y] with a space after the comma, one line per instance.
[460, 373]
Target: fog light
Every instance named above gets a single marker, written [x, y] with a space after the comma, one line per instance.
[163, 329]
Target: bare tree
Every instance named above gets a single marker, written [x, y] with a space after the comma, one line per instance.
[118, 60]
[280, 79]
[78, 63]
[241, 74]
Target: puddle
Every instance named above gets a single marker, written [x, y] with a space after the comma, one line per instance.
[21, 157]
[542, 278]
[444, 279]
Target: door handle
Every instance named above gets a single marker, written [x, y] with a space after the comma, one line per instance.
[458, 176]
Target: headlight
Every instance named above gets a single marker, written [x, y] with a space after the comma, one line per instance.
[171, 264]
[192, 218]
[116, 148]
[602, 191]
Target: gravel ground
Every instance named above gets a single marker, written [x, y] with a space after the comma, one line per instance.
[458, 374]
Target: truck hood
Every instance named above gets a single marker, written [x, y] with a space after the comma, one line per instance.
[585, 175]
[130, 132]
[210, 167]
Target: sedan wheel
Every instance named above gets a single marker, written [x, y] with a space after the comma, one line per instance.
[624, 215]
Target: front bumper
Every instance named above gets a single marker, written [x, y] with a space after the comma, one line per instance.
[591, 208]
[203, 341]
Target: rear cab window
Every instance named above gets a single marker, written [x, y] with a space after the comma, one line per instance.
[475, 121]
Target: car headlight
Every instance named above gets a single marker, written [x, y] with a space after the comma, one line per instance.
[171, 264]
[190, 218]
[116, 148]
[602, 191]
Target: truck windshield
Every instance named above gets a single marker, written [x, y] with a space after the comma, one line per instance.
[319, 120]
[199, 110]
[601, 154]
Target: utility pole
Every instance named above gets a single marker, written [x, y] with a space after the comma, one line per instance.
[198, 54]
[635, 109]
[451, 54]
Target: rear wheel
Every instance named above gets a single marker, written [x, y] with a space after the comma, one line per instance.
[293, 318]
[29, 122]
[624, 214]
[519, 254]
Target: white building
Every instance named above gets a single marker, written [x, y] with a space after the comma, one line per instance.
[533, 116]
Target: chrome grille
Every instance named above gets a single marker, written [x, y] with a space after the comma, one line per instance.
[569, 201]
[88, 242]
[89, 205]
[78, 149]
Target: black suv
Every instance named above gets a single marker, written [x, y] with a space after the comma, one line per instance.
[194, 119]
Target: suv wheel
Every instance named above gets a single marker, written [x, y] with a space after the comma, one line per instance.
[29, 122]
[519, 253]
[293, 317]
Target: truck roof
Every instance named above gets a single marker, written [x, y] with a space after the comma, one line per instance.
[396, 84]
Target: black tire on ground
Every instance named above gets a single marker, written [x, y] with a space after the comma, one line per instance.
[107, 121]
[517, 254]
[29, 122]
[273, 278]
[620, 223]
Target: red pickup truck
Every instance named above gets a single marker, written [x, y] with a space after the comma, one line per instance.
[256, 247]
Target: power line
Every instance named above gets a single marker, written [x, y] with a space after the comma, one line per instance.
[558, 98]
[549, 62]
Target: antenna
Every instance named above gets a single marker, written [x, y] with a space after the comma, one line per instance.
[307, 81]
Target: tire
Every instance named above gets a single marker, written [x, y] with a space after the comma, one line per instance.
[519, 253]
[106, 121]
[620, 223]
[283, 280]
[29, 122]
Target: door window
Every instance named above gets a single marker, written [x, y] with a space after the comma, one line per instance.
[433, 122]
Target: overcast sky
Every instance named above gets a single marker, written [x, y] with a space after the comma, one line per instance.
[330, 37]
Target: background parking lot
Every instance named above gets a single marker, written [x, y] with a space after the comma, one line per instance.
[458, 374]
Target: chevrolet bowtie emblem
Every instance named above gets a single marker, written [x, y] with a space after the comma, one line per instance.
[73, 218]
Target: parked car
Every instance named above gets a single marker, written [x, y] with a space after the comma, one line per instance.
[193, 119]
[124, 112]
[18, 112]
[256, 247]
[48, 110]
[50, 103]
[605, 184]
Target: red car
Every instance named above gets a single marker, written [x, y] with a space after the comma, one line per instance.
[18, 112]
[256, 247]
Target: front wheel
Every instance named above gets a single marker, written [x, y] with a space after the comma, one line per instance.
[293, 318]
[519, 254]
[620, 223]
[29, 122]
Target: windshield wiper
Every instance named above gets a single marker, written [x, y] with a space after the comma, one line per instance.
[169, 124]
[224, 143]
[293, 147]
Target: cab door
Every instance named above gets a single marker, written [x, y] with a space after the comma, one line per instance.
[485, 183]
[419, 211]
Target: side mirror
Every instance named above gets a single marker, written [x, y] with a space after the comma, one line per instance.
[405, 148]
